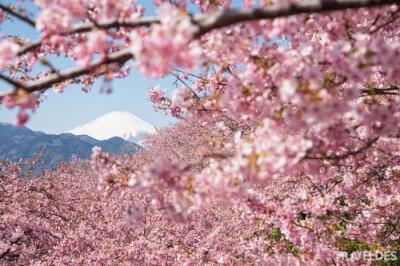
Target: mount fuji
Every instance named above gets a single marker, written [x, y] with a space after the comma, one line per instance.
[21, 142]
[116, 124]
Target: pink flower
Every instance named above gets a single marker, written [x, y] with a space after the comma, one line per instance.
[8, 51]
[42, 3]
[97, 41]
[156, 94]
[29, 102]
[109, 8]
[248, 3]
[95, 153]
[22, 118]
[76, 8]
[287, 90]
[83, 55]
[54, 19]
[166, 44]
[56, 39]
[8, 101]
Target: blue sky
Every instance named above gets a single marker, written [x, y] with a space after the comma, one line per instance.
[62, 112]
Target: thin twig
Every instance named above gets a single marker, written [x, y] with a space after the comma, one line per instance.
[187, 86]
[390, 21]
[343, 156]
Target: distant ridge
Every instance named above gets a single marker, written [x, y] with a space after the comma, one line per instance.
[115, 124]
[21, 142]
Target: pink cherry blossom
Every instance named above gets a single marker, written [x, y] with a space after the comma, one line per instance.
[8, 101]
[55, 19]
[22, 117]
[97, 42]
[8, 51]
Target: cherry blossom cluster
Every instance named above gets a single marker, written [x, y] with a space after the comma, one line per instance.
[156, 58]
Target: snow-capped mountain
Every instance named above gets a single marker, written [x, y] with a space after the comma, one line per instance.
[21, 142]
[116, 124]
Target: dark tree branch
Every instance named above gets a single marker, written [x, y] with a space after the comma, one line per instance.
[392, 90]
[29, 47]
[390, 21]
[47, 194]
[119, 56]
[343, 156]
[190, 74]
[223, 18]
[12, 82]
[44, 83]
[45, 215]
[103, 24]
[376, 19]
[208, 22]
[114, 23]
[378, 172]
[314, 185]
[187, 86]
[17, 15]
[5, 253]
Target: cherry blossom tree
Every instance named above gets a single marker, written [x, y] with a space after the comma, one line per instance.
[293, 149]
[59, 216]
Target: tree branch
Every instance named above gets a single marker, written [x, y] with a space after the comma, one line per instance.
[12, 82]
[47, 194]
[102, 24]
[204, 23]
[187, 86]
[32, 46]
[114, 23]
[343, 156]
[44, 83]
[5, 253]
[223, 18]
[207, 22]
[315, 186]
[390, 21]
[392, 90]
[17, 15]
